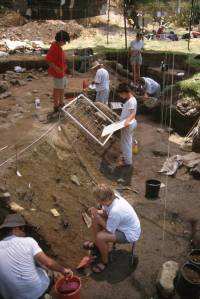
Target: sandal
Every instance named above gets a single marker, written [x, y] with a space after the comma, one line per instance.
[99, 267]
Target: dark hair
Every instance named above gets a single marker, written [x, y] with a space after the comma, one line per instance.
[5, 232]
[139, 35]
[142, 81]
[123, 87]
[62, 36]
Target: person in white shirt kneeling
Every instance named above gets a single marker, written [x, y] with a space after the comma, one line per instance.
[102, 82]
[115, 222]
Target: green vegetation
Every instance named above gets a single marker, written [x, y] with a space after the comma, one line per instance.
[178, 12]
[180, 46]
[191, 61]
[116, 42]
[190, 87]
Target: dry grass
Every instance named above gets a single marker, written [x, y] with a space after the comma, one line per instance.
[98, 38]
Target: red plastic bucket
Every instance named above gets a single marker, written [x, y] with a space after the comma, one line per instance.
[68, 288]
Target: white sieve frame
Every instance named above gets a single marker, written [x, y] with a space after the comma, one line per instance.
[67, 114]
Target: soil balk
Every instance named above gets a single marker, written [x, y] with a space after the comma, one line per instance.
[179, 123]
[153, 59]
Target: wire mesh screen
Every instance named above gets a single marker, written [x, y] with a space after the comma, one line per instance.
[83, 112]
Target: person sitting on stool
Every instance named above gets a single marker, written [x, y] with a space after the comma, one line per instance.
[116, 222]
[149, 87]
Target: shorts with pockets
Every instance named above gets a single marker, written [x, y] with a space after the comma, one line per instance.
[120, 237]
[59, 83]
[137, 59]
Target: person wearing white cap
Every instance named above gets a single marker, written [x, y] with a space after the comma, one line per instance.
[102, 82]
[21, 277]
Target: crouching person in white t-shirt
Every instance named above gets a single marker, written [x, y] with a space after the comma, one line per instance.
[116, 222]
[149, 87]
[20, 275]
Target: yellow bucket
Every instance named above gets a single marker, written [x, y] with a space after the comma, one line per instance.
[135, 148]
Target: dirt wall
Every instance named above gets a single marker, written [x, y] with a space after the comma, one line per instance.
[153, 59]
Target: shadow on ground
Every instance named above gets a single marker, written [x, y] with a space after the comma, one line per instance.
[118, 270]
[122, 173]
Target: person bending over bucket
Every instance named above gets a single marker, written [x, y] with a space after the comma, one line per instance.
[58, 68]
[21, 262]
[128, 114]
[115, 222]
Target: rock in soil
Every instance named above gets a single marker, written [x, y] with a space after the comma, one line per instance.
[166, 276]
[31, 76]
[5, 196]
[4, 86]
[17, 82]
[5, 95]
[3, 114]
[75, 180]
[3, 188]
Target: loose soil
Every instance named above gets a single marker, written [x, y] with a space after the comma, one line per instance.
[15, 27]
[47, 167]
[192, 275]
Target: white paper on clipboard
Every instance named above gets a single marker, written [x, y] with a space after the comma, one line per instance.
[115, 127]
[116, 105]
[92, 86]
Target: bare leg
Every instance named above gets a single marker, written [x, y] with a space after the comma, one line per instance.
[61, 100]
[96, 226]
[137, 66]
[102, 240]
[134, 74]
[56, 97]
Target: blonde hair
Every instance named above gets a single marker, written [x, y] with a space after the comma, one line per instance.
[103, 193]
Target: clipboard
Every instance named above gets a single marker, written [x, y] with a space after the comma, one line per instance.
[110, 129]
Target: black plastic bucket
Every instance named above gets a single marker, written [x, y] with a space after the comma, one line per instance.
[191, 257]
[152, 189]
[185, 287]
